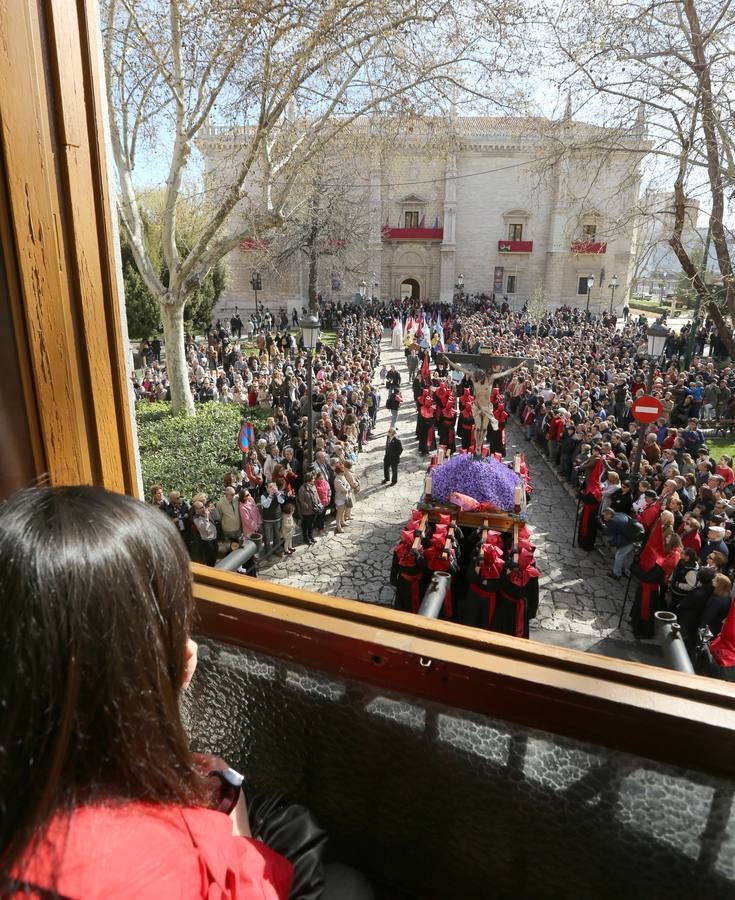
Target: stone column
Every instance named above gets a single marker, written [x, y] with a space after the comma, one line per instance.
[448, 247]
[375, 242]
[557, 238]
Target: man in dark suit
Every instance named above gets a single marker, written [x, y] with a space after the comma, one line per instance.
[393, 450]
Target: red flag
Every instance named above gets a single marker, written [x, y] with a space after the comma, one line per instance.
[649, 515]
[593, 485]
[425, 373]
[653, 553]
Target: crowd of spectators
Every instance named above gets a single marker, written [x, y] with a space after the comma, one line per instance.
[276, 493]
[575, 405]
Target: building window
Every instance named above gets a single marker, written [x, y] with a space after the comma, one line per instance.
[582, 284]
[589, 231]
[510, 284]
[411, 220]
[515, 232]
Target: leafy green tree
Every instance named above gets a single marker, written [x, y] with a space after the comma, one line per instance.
[144, 313]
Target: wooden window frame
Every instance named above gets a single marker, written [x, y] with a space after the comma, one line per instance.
[58, 239]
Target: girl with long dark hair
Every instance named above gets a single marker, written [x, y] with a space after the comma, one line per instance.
[100, 795]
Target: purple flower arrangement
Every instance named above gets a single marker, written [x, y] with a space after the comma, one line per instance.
[486, 479]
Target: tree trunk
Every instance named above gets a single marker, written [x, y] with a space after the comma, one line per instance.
[724, 332]
[172, 315]
[313, 271]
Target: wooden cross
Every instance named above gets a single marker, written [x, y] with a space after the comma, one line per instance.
[488, 362]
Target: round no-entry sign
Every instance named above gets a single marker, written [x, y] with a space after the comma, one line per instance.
[646, 409]
[246, 437]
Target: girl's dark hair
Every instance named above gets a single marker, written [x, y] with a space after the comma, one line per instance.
[95, 610]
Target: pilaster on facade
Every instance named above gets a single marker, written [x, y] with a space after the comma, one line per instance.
[447, 275]
[375, 239]
[448, 246]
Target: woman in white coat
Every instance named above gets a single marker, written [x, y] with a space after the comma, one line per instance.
[396, 342]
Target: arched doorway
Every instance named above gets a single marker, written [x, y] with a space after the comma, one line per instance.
[410, 289]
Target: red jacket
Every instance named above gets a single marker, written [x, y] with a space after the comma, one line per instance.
[556, 429]
[692, 540]
[649, 515]
[154, 852]
[727, 473]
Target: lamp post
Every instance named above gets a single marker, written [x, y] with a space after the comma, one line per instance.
[664, 276]
[590, 283]
[459, 285]
[613, 284]
[656, 337]
[256, 282]
[310, 336]
[374, 277]
[362, 288]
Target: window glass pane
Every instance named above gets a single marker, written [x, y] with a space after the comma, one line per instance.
[244, 365]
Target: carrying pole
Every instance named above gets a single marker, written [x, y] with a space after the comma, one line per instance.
[433, 599]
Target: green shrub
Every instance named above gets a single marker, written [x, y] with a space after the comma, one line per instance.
[192, 454]
[649, 306]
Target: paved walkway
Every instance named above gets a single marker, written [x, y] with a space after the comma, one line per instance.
[579, 601]
[356, 563]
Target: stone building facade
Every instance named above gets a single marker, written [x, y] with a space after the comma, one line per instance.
[511, 206]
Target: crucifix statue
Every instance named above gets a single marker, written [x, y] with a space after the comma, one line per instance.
[485, 369]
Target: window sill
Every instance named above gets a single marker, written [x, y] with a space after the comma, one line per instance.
[661, 714]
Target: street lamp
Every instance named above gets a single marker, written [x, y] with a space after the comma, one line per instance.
[613, 284]
[656, 336]
[459, 286]
[664, 276]
[310, 336]
[256, 282]
[590, 285]
[362, 287]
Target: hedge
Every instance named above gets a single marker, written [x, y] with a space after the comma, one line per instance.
[649, 306]
[192, 454]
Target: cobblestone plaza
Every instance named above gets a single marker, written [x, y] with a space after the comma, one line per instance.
[580, 602]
